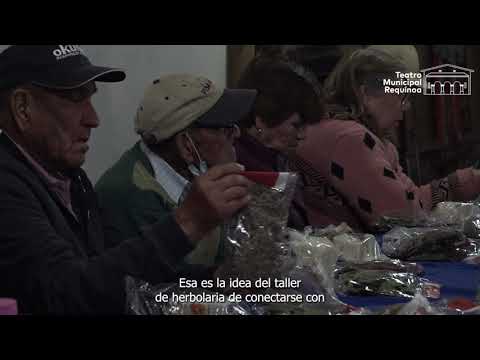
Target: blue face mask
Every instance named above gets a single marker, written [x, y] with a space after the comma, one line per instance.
[202, 167]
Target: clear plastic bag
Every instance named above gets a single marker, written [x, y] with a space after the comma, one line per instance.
[337, 308]
[471, 227]
[358, 248]
[145, 299]
[352, 247]
[140, 297]
[472, 311]
[419, 305]
[330, 231]
[472, 260]
[257, 242]
[351, 280]
[387, 265]
[458, 215]
[314, 261]
[427, 244]
[317, 256]
[388, 223]
[453, 213]
[363, 269]
[203, 308]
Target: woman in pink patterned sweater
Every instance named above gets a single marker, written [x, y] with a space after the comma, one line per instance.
[351, 169]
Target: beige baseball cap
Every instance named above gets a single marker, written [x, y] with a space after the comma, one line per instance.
[174, 102]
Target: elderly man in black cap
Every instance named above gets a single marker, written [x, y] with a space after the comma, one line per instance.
[55, 253]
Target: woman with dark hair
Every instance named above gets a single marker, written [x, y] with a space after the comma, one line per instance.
[288, 99]
[351, 169]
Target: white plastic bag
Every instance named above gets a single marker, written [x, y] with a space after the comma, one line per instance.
[257, 245]
[418, 306]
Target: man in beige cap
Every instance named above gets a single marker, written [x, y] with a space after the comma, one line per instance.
[187, 125]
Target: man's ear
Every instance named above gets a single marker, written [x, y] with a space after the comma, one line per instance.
[185, 148]
[21, 107]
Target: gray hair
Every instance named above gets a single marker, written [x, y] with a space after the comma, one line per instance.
[367, 67]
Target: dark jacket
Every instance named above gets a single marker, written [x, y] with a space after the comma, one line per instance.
[256, 157]
[51, 262]
[135, 199]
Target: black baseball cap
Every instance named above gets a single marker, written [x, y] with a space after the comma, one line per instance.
[231, 108]
[52, 66]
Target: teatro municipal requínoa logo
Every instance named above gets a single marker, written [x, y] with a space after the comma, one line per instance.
[442, 80]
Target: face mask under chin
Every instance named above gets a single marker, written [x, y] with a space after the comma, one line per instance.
[202, 167]
[198, 170]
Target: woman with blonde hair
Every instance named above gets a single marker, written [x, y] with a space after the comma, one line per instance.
[351, 169]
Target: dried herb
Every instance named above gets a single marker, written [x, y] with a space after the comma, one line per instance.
[426, 244]
[353, 281]
[257, 243]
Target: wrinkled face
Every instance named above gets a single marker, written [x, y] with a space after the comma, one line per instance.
[286, 136]
[387, 109]
[61, 123]
[215, 146]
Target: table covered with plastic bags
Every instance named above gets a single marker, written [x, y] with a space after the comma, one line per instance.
[413, 268]
[457, 280]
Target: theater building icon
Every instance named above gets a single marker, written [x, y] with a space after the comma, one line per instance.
[447, 79]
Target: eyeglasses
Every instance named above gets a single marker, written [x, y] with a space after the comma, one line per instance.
[405, 100]
[228, 131]
[76, 95]
[299, 125]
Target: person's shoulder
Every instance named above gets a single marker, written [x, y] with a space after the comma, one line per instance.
[14, 170]
[391, 149]
[331, 133]
[7, 158]
[390, 145]
[336, 128]
[118, 177]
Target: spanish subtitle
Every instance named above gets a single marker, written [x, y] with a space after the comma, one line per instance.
[190, 292]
